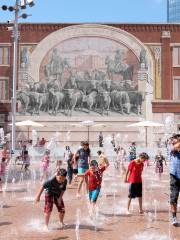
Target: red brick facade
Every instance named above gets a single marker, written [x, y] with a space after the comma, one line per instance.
[147, 33]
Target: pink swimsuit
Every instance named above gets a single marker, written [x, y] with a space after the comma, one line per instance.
[45, 162]
[3, 168]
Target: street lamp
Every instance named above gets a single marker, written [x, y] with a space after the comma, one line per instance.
[19, 4]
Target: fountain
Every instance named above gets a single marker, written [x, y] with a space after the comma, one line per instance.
[34, 137]
[78, 216]
[1, 136]
[155, 209]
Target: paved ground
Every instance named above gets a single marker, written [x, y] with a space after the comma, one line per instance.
[21, 219]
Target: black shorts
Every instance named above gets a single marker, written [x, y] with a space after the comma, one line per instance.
[174, 189]
[135, 190]
[75, 171]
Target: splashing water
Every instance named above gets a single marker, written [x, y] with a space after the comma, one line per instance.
[1, 135]
[108, 148]
[35, 224]
[118, 140]
[169, 125]
[78, 215]
[34, 137]
[149, 236]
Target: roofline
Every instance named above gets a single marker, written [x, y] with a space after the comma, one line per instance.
[103, 23]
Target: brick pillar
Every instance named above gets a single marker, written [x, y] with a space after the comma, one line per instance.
[166, 71]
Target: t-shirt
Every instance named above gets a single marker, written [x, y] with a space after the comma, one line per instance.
[95, 178]
[159, 160]
[26, 160]
[132, 152]
[83, 156]
[54, 188]
[135, 172]
[175, 163]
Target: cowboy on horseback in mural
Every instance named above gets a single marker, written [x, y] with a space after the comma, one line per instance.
[72, 84]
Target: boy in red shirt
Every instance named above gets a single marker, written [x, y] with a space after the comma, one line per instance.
[133, 176]
[94, 176]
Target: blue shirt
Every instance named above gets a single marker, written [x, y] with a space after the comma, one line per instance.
[175, 163]
[83, 156]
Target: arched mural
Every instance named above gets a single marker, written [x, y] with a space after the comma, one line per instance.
[86, 74]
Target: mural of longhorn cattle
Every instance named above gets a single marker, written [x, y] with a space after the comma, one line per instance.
[98, 80]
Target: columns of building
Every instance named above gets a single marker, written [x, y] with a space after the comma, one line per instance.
[167, 84]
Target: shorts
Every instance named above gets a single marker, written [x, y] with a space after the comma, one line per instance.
[75, 171]
[159, 169]
[82, 170]
[2, 178]
[49, 201]
[174, 189]
[93, 194]
[131, 157]
[135, 190]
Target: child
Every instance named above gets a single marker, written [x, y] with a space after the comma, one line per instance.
[102, 159]
[58, 164]
[94, 176]
[121, 157]
[45, 165]
[133, 176]
[26, 161]
[159, 159]
[132, 151]
[3, 166]
[70, 168]
[55, 188]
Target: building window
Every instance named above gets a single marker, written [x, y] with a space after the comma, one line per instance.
[176, 89]
[4, 93]
[4, 55]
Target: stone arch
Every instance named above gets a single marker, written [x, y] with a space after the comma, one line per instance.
[98, 30]
[95, 30]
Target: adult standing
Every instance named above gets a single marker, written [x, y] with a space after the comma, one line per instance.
[100, 139]
[132, 151]
[82, 156]
[174, 176]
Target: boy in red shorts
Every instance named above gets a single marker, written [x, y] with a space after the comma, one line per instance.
[134, 177]
[55, 188]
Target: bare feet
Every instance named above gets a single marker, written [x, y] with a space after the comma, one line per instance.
[128, 212]
[78, 195]
[62, 225]
[45, 228]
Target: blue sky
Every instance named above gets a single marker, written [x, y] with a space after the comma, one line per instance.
[92, 11]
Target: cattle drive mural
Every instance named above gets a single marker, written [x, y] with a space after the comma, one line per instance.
[84, 76]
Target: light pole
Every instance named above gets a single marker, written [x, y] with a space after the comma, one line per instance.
[15, 35]
[19, 4]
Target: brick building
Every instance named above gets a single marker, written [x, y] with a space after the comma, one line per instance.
[58, 52]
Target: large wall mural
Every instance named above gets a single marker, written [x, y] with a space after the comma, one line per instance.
[86, 75]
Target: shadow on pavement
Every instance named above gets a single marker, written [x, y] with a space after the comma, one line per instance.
[5, 223]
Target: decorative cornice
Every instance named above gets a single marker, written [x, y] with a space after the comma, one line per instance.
[131, 27]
